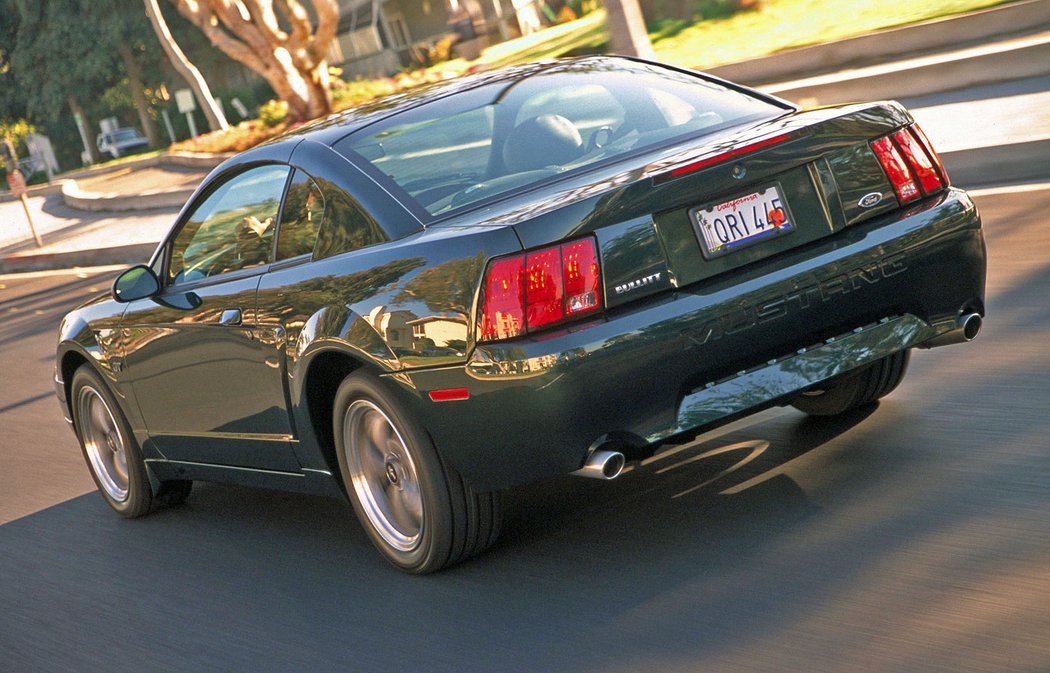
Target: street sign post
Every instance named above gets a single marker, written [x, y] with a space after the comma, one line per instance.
[186, 104]
[17, 183]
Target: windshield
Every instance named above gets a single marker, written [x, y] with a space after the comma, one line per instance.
[503, 136]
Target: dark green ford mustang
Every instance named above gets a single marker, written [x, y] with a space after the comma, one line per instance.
[524, 273]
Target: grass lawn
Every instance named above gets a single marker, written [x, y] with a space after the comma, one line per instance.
[783, 24]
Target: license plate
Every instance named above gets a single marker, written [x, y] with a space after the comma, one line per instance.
[737, 223]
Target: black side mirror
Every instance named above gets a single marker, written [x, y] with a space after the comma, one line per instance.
[138, 282]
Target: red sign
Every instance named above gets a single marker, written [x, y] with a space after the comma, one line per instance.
[17, 183]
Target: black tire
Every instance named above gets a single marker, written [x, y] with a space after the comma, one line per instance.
[855, 389]
[112, 455]
[416, 509]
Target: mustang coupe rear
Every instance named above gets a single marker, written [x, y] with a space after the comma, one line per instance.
[534, 271]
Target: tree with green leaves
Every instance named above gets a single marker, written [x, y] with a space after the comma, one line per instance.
[57, 64]
[123, 24]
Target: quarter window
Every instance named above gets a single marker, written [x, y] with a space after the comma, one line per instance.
[347, 225]
[232, 229]
[301, 217]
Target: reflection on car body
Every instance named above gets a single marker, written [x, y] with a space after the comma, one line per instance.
[429, 299]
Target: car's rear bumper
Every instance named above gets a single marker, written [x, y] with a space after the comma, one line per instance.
[696, 357]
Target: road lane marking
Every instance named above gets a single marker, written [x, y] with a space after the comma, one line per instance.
[80, 271]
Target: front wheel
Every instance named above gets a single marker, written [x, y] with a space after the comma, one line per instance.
[111, 452]
[415, 508]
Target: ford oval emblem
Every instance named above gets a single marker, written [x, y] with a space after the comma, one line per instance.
[870, 200]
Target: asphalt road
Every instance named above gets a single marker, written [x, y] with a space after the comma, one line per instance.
[910, 537]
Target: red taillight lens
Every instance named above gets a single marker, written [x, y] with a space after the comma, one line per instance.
[926, 145]
[543, 288]
[524, 293]
[896, 170]
[583, 292]
[910, 163]
[503, 312]
[920, 162]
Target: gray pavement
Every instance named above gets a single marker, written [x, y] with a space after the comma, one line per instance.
[75, 238]
[911, 537]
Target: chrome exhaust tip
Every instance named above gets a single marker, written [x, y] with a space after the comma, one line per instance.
[967, 327]
[602, 465]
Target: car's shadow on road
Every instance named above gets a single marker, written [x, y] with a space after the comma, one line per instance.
[255, 577]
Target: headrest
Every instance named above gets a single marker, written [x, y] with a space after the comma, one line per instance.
[538, 142]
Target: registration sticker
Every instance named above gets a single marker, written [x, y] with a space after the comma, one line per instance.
[742, 221]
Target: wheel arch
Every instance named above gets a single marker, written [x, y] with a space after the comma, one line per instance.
[70, 358]
[321, 378]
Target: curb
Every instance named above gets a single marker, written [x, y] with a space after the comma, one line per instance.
[75, 197]
[121, 254]
[181, 159]
[1000, 164]
[943, 34]
[1021, 58]
[95, 201]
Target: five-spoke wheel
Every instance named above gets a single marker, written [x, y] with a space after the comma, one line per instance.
[414, 506]
[383, 475]
[111, 452]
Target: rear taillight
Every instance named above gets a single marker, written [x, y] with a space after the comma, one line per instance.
[910, 163]
[526, 292]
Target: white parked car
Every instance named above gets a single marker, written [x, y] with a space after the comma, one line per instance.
[121, 142]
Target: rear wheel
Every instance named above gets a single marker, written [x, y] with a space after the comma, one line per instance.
[416, 509]
[856, 388]
[111, 452]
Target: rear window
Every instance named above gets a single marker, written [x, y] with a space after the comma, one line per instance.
[500, 137]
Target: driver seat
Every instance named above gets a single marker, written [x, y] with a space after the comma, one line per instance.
[543, 141]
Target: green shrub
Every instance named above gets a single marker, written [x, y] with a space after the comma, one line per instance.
[361, 90]
[273, 112]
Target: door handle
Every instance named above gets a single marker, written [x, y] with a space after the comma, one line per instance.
[231, 316]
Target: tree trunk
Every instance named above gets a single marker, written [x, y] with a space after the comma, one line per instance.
[134, 69]
[308, 97]
[627, 34]
[280, 44]
[189, 72]
[84, 126]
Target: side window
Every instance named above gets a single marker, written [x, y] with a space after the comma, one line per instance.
[301, 217]
[232, 228]
[347, 226]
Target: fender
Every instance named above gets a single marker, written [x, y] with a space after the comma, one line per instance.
[338, 329]
[92, 333]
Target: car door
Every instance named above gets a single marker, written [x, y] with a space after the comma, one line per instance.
[208, 388]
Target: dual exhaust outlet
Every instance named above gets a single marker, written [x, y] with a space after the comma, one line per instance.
[967, 327]
[602, 465]
[607, 465]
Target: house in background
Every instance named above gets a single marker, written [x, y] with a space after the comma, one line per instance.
[381, 37]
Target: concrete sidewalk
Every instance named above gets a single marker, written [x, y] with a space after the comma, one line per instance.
[76, 238]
